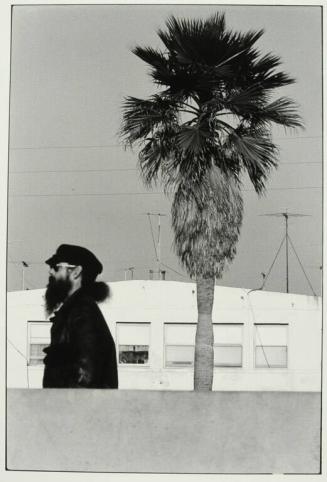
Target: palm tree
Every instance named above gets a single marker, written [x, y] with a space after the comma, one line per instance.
[206, 225]
[208, 124]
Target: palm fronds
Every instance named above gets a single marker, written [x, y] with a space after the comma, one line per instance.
[283, 111]
[258, 155]
[206, 224]
[213, 115]
[141, 117]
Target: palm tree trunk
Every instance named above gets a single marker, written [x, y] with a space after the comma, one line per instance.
[203, 357]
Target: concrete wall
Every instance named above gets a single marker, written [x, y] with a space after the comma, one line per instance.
[167, 432]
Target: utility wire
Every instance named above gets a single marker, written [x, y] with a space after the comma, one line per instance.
[172, 269]
[285, 188]
[62, 171]
[37, 148]
[290, 138]
[18, 351]
[299, 162]
[108, 146]
[140, 267]
[271, 267]
[155, 250]
[148, 193]
[255, 324]
[154, 243]
[280, 247]
[261, 345]
[90, 194]
[302, 266]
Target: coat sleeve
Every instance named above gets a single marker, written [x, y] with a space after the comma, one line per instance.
[85, 340]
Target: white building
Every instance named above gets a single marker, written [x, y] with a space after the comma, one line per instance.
[263, 340]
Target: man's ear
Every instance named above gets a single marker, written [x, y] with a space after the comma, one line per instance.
[77, 272]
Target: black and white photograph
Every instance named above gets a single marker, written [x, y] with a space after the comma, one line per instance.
[164, 239]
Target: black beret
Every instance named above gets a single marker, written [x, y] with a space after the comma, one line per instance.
[77, 255]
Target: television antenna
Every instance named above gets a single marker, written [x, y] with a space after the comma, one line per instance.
[25, 265]
[131, 270]
[157, 247]
[286, 215]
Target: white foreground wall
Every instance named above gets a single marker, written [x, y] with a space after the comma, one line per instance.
[164, 431]
[160, 302]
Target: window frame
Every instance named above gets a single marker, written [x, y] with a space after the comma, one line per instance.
[30, 342]
[178, 366]
[132, 365]
[218, 367]
[188, 366]
[266, 367]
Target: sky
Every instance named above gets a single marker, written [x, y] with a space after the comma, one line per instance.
[71, 181]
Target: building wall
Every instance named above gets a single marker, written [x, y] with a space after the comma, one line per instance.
[160, 302]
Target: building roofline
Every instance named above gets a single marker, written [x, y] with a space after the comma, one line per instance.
[244, 290]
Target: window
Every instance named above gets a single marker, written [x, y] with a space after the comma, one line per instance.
[180, 341]
[179, 344]
[228, 344]
[36, 353]
[133, 340]
[271, 345]
[38, 338]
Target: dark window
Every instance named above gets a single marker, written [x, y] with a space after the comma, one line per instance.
[134, 354]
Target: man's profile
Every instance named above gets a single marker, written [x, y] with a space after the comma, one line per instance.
[82, 352]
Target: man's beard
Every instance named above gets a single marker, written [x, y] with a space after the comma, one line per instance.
[56, 292]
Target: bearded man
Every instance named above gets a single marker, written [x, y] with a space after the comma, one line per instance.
[82, 352]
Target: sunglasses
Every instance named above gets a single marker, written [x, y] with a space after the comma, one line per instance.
[56, 267]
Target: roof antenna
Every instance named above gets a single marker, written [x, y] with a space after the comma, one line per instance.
[25, 265]
[286, 215]
[157, 248]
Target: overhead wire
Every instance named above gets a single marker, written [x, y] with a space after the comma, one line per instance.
[155, 250]
[301, 266]
[148, 193]
[63, 171]
[172, 269]
[89, 194]
[36, 148]
[271, 267]
[255, 324]
[109, 146]
[18, 351]
[261, 344]
[152, 235]
[15, 348]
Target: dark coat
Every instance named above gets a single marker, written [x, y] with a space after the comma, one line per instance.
[82, 352]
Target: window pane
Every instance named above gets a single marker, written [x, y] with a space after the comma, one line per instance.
[271, 335]
[179, 356]
[271, 356]
[36, 353]
[180, 334]
[228, 356]
[133, 333]
[135, 354]
[228, 333]
[36, 361]
[40, 329]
